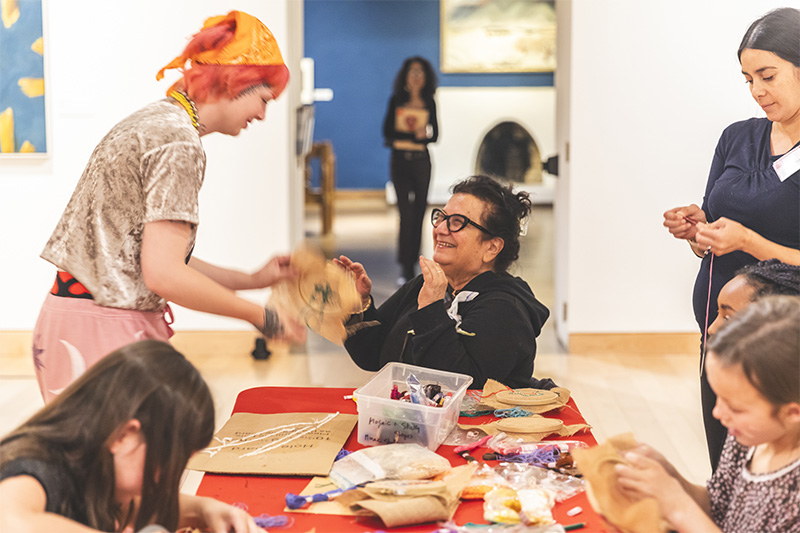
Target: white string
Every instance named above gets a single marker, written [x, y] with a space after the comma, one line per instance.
[294, 433]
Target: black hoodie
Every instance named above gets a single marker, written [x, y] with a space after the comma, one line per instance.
[495, 339]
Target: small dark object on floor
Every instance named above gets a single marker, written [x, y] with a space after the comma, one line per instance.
[260, 352]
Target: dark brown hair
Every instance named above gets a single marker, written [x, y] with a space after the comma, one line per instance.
[148, 381]
[505, 213]
[764, 338]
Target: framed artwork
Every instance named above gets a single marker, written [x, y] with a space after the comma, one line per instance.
[23, 128]
[498, 35]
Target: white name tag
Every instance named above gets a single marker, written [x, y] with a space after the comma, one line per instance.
[788, 164]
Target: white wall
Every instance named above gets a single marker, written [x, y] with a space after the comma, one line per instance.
[466, 114]
[101, 60]
[651, 85]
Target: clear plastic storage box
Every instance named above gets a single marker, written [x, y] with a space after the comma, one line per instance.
[382, 420]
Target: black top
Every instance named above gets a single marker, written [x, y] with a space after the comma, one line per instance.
[743, 186]
[390, 133]
[64, 496]
[486, 330]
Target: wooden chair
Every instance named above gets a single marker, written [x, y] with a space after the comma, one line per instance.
[322, 150]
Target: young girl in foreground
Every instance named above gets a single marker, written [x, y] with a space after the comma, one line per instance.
[108, 453]
[753, 366]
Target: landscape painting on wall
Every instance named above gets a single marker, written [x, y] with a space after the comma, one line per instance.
[498, 36]
[22, 110]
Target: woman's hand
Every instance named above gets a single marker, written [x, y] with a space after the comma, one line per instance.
[277, 269]
[722, 236]
[435, 282]
[682, 221]
[363, 283]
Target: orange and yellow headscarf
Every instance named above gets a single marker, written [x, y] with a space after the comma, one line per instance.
[252, 44]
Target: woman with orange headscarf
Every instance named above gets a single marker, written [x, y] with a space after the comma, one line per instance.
[123, 246]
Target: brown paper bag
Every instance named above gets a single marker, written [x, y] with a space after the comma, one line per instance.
[418, 507]
[597, 466]
[294, 444]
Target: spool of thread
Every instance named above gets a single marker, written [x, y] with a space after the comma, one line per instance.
[296, 501]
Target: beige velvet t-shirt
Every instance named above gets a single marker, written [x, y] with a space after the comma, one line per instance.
[149, 167]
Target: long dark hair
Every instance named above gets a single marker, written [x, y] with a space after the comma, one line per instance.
[778, 32]
[401, 93]
[505, 213]
[148, 381]
[764, 338]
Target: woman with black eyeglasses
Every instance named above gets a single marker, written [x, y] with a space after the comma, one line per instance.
[465, 313]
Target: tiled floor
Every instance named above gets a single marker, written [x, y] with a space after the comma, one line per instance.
[656, 397]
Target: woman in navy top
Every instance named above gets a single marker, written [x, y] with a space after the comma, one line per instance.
[751, 207]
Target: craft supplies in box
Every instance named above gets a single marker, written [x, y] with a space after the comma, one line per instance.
[383, 420]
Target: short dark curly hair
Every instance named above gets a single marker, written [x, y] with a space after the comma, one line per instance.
[505, 212]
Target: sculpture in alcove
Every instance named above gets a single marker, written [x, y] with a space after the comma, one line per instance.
[509, 151]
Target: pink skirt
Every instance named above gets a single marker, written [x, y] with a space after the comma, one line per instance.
[72, 334]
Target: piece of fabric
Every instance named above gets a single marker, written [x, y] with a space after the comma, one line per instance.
[496, 338]
[597, 464]
[72, 334]
[252, 44]
[744, 187]
[149, 167]
[743, 502]
[61, 488]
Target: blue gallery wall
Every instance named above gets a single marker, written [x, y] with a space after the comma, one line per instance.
[358, 46]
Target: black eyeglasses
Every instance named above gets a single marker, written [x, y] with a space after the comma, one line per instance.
[455, 222]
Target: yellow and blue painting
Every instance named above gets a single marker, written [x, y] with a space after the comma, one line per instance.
[22, 113]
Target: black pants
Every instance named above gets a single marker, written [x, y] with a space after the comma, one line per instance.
[715, 431]
[411, 176]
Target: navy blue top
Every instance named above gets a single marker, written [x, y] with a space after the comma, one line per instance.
[743, 186]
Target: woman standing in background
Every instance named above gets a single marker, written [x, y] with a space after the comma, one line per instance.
[409, 126]
[751, 208]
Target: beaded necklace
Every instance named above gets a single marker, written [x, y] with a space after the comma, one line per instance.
[187, 105]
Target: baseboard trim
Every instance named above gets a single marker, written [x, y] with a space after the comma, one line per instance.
[16, 345]
[634, 343]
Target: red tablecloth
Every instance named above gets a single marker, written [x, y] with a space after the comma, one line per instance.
[266, 494]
